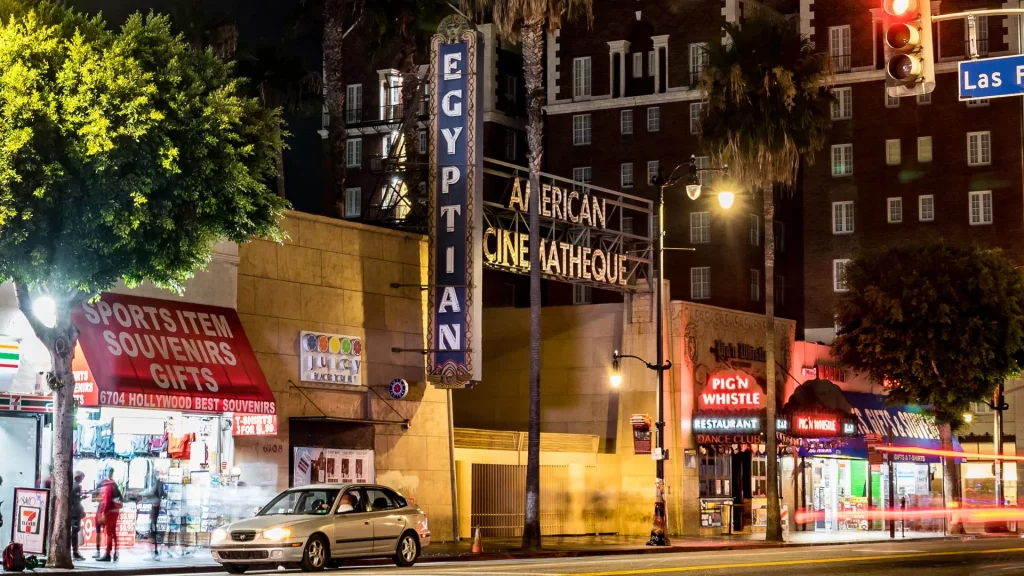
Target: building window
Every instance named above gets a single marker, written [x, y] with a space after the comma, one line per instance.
[696, 108]
[780, 237]
[981, 208]
[842, 217]
[715, 475]
[839, 275]
[638, 65]
[582, 175]
[977, 102]
[891, 101]
[652, 171]
[755, 285]
[354, 152]
[626, 175]
[924, 148]
[653, 119]
[704, 176]
[698, 60]
[979, 148]
[982, 37]
[581, 294]
[627, 224]
[650, 63]
[926, 208]
[842, 106]
[510, 89]
[892, 152]
[700, 227]
[581, 129]
[758, 477]
[581, 77]
[626, 122]
[424, 142]
[894, 214]
[755, 230]
[700, 283]
[924, 99]
[780, 289]
[353, 103]
[839, 47]
[842, 159]
[353, 202]
[510, 144]
[981, 408]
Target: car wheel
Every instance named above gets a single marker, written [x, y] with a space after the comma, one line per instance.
[408, 550]
[235, 568]
[314, 555]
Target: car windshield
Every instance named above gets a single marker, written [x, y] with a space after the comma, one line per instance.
[301, 502]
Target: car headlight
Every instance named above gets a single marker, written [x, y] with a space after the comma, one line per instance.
[219, 535]
[276, 533]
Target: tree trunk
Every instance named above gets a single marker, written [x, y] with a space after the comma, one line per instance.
[774, 531]
[60, 340]
[533, 46]
[950, 480]
[279, 162]
[334, 95]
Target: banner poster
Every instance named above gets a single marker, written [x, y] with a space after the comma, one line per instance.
[30, 523]
[332, 466]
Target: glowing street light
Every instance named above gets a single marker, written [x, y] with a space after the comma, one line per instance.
[45, 310]
[725, 199]
[616, 378]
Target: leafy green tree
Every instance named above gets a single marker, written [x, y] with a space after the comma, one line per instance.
[767, 112]
[938, 325]
[126, 155]
[526, 20]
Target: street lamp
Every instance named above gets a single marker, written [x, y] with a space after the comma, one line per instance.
[45, 310]
[725, 199]
[616, 378]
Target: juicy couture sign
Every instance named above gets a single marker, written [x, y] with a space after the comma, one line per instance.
[456, 176]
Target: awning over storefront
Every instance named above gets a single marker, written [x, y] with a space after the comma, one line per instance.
[911, 426]
[167, 354]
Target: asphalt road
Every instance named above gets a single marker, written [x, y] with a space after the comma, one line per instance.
[1001, 557]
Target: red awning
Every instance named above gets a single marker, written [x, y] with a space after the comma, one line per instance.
[167, 354]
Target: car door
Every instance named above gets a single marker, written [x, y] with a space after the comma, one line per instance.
[353, 529]
[388, 522]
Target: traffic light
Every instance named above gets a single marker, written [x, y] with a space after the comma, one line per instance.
[909, 62]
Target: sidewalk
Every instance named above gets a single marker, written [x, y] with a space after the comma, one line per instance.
[139, 561]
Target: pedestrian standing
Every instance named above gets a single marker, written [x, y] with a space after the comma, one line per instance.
[77, 513]
[156, 500]
[109, 510]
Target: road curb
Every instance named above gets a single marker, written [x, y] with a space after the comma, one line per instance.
[554, 554]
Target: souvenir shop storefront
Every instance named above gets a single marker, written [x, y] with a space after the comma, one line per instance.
[163, 387]
[843, 479]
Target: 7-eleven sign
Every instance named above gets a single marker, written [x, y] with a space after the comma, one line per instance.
[10, 355]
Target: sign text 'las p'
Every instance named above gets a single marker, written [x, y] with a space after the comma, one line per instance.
[456, 176]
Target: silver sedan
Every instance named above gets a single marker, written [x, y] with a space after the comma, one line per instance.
[314, 525]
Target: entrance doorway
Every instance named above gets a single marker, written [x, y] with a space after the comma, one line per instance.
[838, 493]
[19, 466]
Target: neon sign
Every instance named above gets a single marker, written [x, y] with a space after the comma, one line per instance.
[732, 390]
[813, 424]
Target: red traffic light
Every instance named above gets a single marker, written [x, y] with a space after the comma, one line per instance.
[900, 8]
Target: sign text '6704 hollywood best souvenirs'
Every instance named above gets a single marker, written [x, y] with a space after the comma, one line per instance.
[456, 175]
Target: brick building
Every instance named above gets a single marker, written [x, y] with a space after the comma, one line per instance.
[622, 101]
[909, 169]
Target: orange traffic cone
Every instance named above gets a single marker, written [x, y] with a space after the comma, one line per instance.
[478, 546]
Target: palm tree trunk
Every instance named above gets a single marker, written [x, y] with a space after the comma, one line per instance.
[774, 532]
[334, 94]
[279, 163]
[950, 479]
[533, 47]
[60, 341]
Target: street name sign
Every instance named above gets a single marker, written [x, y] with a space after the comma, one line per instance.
[991, 77]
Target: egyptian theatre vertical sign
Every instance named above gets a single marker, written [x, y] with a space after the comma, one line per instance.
[456, 178]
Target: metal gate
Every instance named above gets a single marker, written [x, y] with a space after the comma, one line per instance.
[499, 499]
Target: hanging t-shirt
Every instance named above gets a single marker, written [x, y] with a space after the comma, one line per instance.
[180, 446]
[124, 445]
[138, 473]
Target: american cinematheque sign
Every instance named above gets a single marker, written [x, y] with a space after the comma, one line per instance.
[588, 235]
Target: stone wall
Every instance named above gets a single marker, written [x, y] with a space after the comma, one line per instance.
[335, 276]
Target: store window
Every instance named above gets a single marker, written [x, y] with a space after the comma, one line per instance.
[715, 473]
[759, 476]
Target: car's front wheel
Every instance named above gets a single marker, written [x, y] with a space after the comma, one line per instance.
[314, 555]
[235, 568]
[408, 550]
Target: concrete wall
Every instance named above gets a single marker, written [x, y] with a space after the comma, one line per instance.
[335, 276]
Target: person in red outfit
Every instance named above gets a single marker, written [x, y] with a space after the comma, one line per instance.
[107, 514]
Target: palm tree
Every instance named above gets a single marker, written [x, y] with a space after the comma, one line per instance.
[526, 19]
[768, 111]
[339, 16]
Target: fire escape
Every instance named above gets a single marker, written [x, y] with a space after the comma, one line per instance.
[399, 197]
